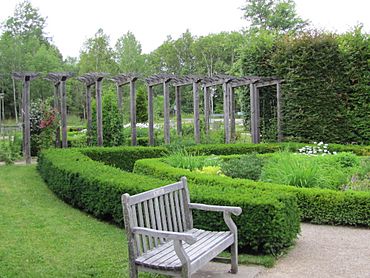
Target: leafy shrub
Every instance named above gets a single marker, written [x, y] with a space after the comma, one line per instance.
[245, 167]
[10, 149]
[43, 123]
[112, 121]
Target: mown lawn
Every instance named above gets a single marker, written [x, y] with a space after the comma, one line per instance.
[43, 237]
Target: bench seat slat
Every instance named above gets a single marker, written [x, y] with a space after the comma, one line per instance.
[165, 258]
[200, 234]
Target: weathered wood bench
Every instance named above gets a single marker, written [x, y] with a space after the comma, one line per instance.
[161, 237]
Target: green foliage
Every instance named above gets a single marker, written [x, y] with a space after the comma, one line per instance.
[130, 58]
[141, 106]
[245, 167]
[319, 206]
[183, 159]
[314, 98]
[274, 15]
[97, 55]
[123, 157]
[325, 84]
[355, 47]
[112, 121]
[10, 149]
[270, 222]
[329, 171]
[43, 123]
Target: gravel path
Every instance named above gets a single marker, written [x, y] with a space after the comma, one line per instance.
[326, 251]
[320, 252]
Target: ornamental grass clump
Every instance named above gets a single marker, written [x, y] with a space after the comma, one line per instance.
[331, 171]
[191, 161]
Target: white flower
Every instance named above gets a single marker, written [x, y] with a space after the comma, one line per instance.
[320, 143]
[334, 152]
[315, 143]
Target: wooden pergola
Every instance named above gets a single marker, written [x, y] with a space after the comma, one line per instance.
[60, 103]
[89, 79]
[217, 80]
[229, 83]
[26, 78]
[185, 81]
[121, 80]
[254, 83]
[164, 80]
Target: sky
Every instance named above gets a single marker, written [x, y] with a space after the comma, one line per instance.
[71, 22]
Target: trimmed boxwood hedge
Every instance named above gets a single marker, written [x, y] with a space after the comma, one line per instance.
[123, 157]
[320, 206]
[241, 148]
[269, 222]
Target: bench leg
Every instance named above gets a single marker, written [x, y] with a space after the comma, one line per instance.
[133, 271]
[234, 258]
[185, 273]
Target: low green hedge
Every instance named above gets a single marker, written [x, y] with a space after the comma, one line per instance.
[241, 148]
[90, 185]
[321, 206]
[268, 224]
[123, 157]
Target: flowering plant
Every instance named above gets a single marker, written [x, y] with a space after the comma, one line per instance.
[318, 149]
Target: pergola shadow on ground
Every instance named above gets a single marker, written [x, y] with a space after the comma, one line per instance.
[198, 83]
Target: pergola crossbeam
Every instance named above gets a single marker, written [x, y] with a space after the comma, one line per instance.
[158, 79]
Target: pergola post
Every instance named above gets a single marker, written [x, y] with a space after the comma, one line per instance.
[26, 77]
[206, 108]
[254, 121]
[178, 110]
[196, 113]
[133, 112]
[232, 114]
[120, 98]
[151, 115]
[63, 98]
[226, 112]
[99, 110]
[27, 124]
[279, 112]
[166, 107]
[89, 114]
[2, 108]
[57, 110]
[60, 106]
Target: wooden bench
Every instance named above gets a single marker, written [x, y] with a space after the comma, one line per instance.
[161, 237]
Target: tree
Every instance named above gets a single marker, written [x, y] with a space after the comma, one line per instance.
[24, 46]
[216, 53]
[97, 55]
[275, 15]
[129, 56]
[26, 22]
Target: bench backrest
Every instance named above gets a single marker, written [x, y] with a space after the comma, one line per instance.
[165, 208]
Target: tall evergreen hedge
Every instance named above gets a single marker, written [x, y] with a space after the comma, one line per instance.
[326, 89]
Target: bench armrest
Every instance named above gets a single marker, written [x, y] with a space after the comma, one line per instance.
[233, 210]
[188, 238]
